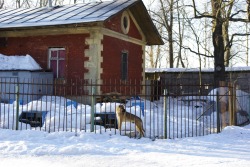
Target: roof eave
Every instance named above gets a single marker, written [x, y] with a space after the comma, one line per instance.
[145, 22]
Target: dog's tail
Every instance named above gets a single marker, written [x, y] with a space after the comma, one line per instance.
[143, 131]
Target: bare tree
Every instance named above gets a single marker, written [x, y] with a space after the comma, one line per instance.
[218, 41]
[167, 9]
[181, 36]
[43, 3]
[164, 17]
[18, 3]
[23, 3]
[154, 56]
[1, 4]
[221, 16]
[226, 12]
[154, 53]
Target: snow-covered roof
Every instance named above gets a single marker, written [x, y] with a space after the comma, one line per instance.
[67, 14]
[80, 13]
[18, 63]
[173, 70]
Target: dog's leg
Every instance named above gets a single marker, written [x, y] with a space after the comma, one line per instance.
[119, 124]
[143, 131]
[140, 129]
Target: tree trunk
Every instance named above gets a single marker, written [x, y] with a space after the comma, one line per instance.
[171, 52]
[18, 4]
[167, 15]
[180, 35]
[227, 53]
[170, 35]
[225, 27]
[248, 9]
[218, 43]
[151, 56]
[1, 4]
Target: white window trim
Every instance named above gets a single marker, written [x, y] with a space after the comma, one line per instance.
[49, 58]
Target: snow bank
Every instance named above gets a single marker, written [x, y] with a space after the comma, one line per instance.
[242, 98]
[18, 63]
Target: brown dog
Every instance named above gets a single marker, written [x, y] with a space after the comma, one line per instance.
[123, 116]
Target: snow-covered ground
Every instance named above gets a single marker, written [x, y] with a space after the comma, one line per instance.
[29, 148]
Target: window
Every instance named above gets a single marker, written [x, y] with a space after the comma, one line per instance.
[57, 61]
[125, 23]
[124, 66]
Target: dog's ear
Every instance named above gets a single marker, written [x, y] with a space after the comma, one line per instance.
[122, 108]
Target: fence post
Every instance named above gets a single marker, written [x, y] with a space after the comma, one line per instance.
[234, 104]
[92, 107]
[17, 105]
[218, 110]
[232, 101]
[165, 112]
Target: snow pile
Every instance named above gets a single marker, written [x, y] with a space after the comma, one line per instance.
[18, 63]
[242, 103]
[242, 98]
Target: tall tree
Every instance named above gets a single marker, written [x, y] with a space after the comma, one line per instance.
[222, 16]
[226, 12]
[218, 41]
[167, 16]
[154, 53]
[180, 36]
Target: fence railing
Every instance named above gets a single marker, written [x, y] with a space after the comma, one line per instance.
[90, 106]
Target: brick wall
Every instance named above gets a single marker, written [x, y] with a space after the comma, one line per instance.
[111, 65]
[38, 46]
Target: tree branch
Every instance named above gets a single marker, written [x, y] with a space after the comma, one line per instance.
[232, 37]
[188, 48]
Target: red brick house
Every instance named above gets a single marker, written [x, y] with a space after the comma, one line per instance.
[99, 40]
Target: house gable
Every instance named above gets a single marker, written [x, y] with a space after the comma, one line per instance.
[116, 24]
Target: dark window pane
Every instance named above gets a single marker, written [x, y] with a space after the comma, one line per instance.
[53, 66]
[124, 66]
[57, 62]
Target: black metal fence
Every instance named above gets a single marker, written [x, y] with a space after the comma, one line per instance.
[79, 105]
